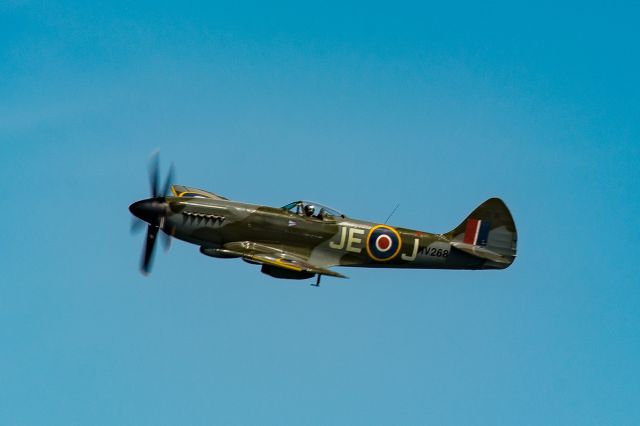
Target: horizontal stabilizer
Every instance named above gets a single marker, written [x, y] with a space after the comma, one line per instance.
[483, 253]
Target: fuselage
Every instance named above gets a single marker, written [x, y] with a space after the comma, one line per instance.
[324, 241]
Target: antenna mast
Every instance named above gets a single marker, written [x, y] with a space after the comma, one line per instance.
[392, 212]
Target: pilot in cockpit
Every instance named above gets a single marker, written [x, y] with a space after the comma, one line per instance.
[309, 209]
[312, 211]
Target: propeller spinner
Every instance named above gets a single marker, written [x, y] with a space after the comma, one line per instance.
[153, 211]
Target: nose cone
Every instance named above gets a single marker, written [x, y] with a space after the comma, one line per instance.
[150, 210]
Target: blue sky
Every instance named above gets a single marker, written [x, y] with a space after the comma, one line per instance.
[361, 106]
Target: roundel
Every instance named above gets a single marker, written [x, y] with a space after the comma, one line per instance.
[383, 243]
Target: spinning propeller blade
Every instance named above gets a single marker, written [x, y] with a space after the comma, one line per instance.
[166, 241]
[152, 232]
[154, 167]
[167, 182]
[152, 211]
[137, 225]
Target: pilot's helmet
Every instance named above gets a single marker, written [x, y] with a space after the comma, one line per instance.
[309, 209]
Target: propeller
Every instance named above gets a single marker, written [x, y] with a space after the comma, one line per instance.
[137, 225]
[152, 232]
[152, 211]
[154, 177]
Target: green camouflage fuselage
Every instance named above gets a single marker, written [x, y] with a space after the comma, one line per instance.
[224, 228]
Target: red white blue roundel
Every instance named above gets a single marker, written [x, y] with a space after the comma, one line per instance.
[383, 243]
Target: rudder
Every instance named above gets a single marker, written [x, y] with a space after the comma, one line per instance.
[490, 227]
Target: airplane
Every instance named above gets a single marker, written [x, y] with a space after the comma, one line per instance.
[304, 239]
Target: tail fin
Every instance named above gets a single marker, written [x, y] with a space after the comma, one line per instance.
[488, 232]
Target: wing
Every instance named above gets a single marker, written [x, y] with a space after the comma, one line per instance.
[280, 258]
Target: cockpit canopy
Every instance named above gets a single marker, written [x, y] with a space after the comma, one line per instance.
[313, 210]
